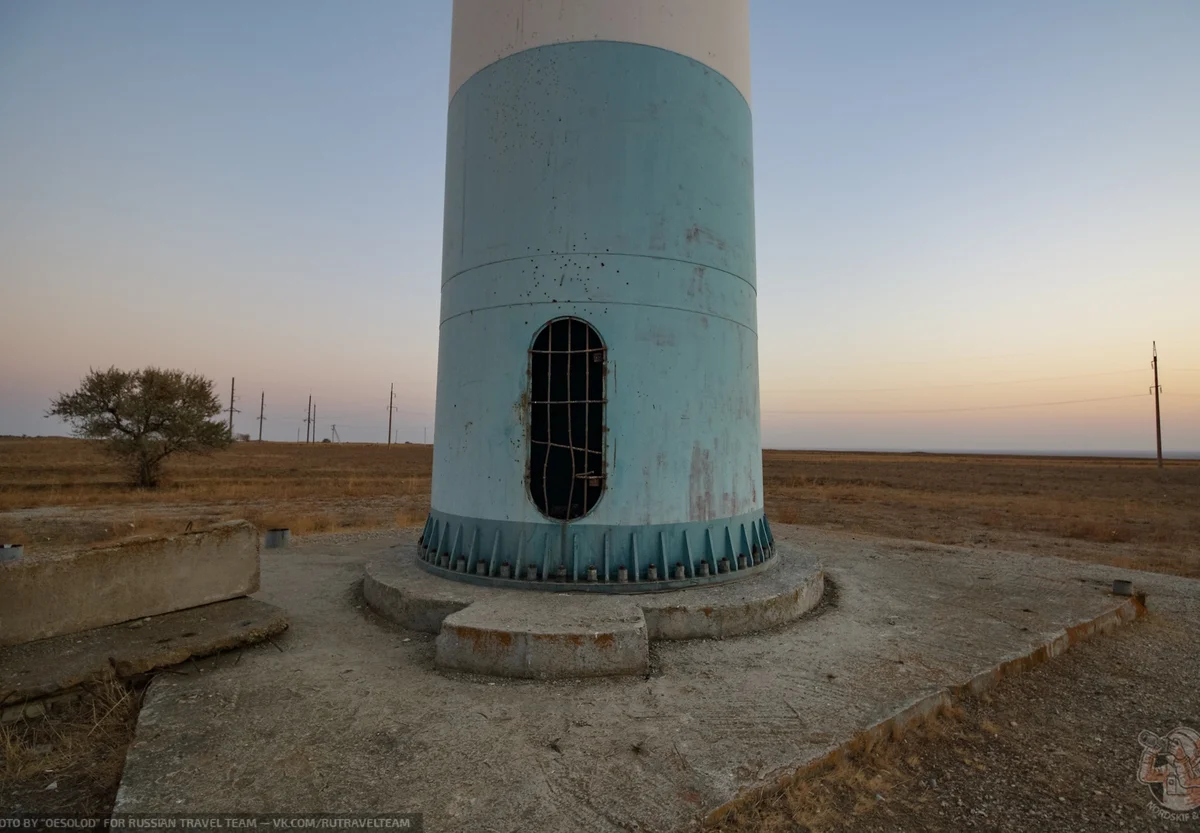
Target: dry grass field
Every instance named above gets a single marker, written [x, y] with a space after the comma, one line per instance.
[57, 493]
[1123, 512]
[62, 493]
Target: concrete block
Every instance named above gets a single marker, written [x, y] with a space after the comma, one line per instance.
[397, 590]
[279, 538]
[46, 667]
[774, 598]
[546, 637]
[51, 596]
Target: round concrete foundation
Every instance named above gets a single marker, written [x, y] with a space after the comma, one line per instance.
[515, 633]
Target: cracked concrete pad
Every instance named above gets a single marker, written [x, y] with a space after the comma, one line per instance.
[47, 666]
[352, 714]
[548, 636]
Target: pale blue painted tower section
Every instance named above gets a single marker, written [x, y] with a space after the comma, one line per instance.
[612, 182]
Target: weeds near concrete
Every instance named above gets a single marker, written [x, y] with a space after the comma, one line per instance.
[70, 759]
[850, 783]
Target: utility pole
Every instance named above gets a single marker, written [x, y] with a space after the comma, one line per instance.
[425, 435]
[232, 410]
[1157, 412]
[333, 435]
[308, 419]
[314, 433]
[391, 408]
[262, 401]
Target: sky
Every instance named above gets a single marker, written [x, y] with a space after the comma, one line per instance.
[973, 219]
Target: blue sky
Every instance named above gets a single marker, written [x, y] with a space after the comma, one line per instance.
[962, 207]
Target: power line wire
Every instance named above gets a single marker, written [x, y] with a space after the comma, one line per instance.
[960, 410]
[961, 385]
[897, 362]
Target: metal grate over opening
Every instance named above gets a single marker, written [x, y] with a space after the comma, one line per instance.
[566, 419]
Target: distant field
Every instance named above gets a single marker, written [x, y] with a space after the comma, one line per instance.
[78, 496]
[1116, 511]
[58, 493]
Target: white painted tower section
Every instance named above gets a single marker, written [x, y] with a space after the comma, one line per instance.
[714, 32]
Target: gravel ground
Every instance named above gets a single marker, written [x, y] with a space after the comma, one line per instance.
[1053, 749]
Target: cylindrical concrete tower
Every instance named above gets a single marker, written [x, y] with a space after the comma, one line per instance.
[597, 394]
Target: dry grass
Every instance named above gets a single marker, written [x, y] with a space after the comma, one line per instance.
[829, 794]
[57, 493]
[71, 760]
[51, 471]
[62, 492]
[1125, 513]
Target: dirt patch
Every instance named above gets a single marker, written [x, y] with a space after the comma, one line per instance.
[70, 760]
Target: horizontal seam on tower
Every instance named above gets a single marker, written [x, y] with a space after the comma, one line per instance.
[605, 303]
[753, 288]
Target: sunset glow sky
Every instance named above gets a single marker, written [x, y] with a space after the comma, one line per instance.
[961, 208]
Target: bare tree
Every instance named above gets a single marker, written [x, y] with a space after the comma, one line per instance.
[145, 416]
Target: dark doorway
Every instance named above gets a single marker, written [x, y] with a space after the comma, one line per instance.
[566, 419]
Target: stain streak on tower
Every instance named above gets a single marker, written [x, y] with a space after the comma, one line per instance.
[597, 395]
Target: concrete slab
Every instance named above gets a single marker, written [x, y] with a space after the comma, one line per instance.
[53, 595]
[767, 600]
[400, 591]
[353, 715]
[546, 636]
[49, 666]
[396, 587]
